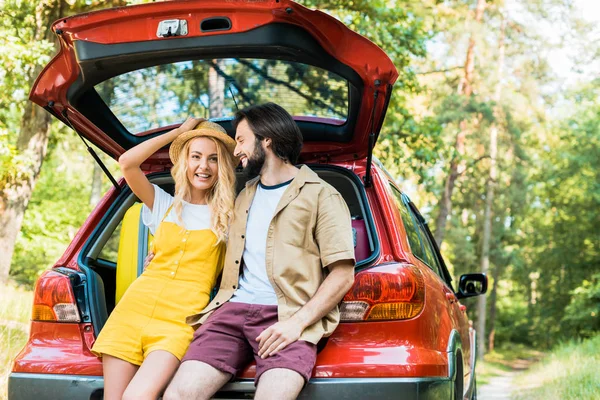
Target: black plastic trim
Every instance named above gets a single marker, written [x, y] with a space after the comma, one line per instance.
[87, 288]
[22, 386]
[206, 21]
[95, 292]
[105, 263]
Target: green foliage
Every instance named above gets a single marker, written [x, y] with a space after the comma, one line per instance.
[20, 57]
[58, 208]
[15, 314]
[455, 109]
[569, 372]
[582, 315]
[512, 321]
[562, 219]
[401, 28]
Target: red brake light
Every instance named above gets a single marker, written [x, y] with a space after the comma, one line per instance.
[388, 292]
[54, 299]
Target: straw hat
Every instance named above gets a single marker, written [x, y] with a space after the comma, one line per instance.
[203, 129]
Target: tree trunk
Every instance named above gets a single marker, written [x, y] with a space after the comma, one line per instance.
[216, 92]
[31, 142]
[465, 88]
[493, 297]
[446, 201]
[489, 198]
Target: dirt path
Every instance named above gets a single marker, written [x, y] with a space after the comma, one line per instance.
[501, 387]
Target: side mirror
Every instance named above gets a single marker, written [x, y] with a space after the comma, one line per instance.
[472, 285]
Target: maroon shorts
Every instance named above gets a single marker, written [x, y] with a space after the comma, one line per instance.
[227, 342]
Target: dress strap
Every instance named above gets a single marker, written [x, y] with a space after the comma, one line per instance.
[167, 213]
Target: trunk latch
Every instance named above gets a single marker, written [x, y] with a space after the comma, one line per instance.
[172, 27]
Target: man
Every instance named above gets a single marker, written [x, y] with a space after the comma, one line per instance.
[289, 262]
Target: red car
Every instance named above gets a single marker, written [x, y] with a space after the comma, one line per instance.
[127, 74]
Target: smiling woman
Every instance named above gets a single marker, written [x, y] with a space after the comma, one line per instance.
[145, 337]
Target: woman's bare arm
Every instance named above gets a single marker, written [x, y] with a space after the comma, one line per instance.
[131, 160]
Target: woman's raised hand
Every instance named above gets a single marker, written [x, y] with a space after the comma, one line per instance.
[189, 124]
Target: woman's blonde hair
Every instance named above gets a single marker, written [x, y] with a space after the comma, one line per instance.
[220, 197]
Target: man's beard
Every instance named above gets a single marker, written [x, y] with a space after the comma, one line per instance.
[255, 162]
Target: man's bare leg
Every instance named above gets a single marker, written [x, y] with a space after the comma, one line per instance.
[195, 380]
[279, 384]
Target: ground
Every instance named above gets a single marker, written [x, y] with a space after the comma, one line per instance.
[502, 385]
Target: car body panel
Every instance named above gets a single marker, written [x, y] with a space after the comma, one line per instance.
[58, 348]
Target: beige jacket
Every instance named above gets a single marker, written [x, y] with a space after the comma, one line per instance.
[311, 229]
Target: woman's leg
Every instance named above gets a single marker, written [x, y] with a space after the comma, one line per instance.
[117, 375]
[154, 375]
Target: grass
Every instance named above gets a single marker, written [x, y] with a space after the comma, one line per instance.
[502, 360]
[15, 312]
[569, 372]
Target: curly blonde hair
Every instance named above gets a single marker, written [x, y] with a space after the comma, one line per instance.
[220, 197]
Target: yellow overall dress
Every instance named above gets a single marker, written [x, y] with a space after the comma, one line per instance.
[177, 283]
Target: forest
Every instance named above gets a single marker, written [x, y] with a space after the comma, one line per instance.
[493, 130]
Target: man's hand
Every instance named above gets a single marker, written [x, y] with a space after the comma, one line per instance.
[147, 260]
[278, 336]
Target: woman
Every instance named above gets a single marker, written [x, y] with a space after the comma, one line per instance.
[146, 335]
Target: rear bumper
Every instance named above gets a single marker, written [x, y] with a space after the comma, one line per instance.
[23, 386]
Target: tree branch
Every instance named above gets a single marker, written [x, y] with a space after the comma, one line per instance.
[438, 71]
[473, 164]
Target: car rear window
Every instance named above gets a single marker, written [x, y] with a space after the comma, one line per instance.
[157, 96]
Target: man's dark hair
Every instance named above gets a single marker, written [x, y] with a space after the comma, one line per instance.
[272, 121]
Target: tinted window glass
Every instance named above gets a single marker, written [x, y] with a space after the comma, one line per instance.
[111, 249]
[162, 95]
[417, 236]
[430, 257]
[409, 223]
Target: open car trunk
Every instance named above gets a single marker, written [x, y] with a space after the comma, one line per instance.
[113, 256]
[125, 75]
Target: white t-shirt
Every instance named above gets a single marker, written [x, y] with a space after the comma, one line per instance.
[254, 286]
[194, 216]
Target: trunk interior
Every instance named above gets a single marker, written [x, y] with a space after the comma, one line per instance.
[106, 265]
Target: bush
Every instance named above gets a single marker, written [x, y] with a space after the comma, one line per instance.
[582, 315]
[58, 207]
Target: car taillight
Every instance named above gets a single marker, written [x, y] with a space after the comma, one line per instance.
[387, 292]
[54, 299]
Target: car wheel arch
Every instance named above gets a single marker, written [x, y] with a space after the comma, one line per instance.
[455, 364]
